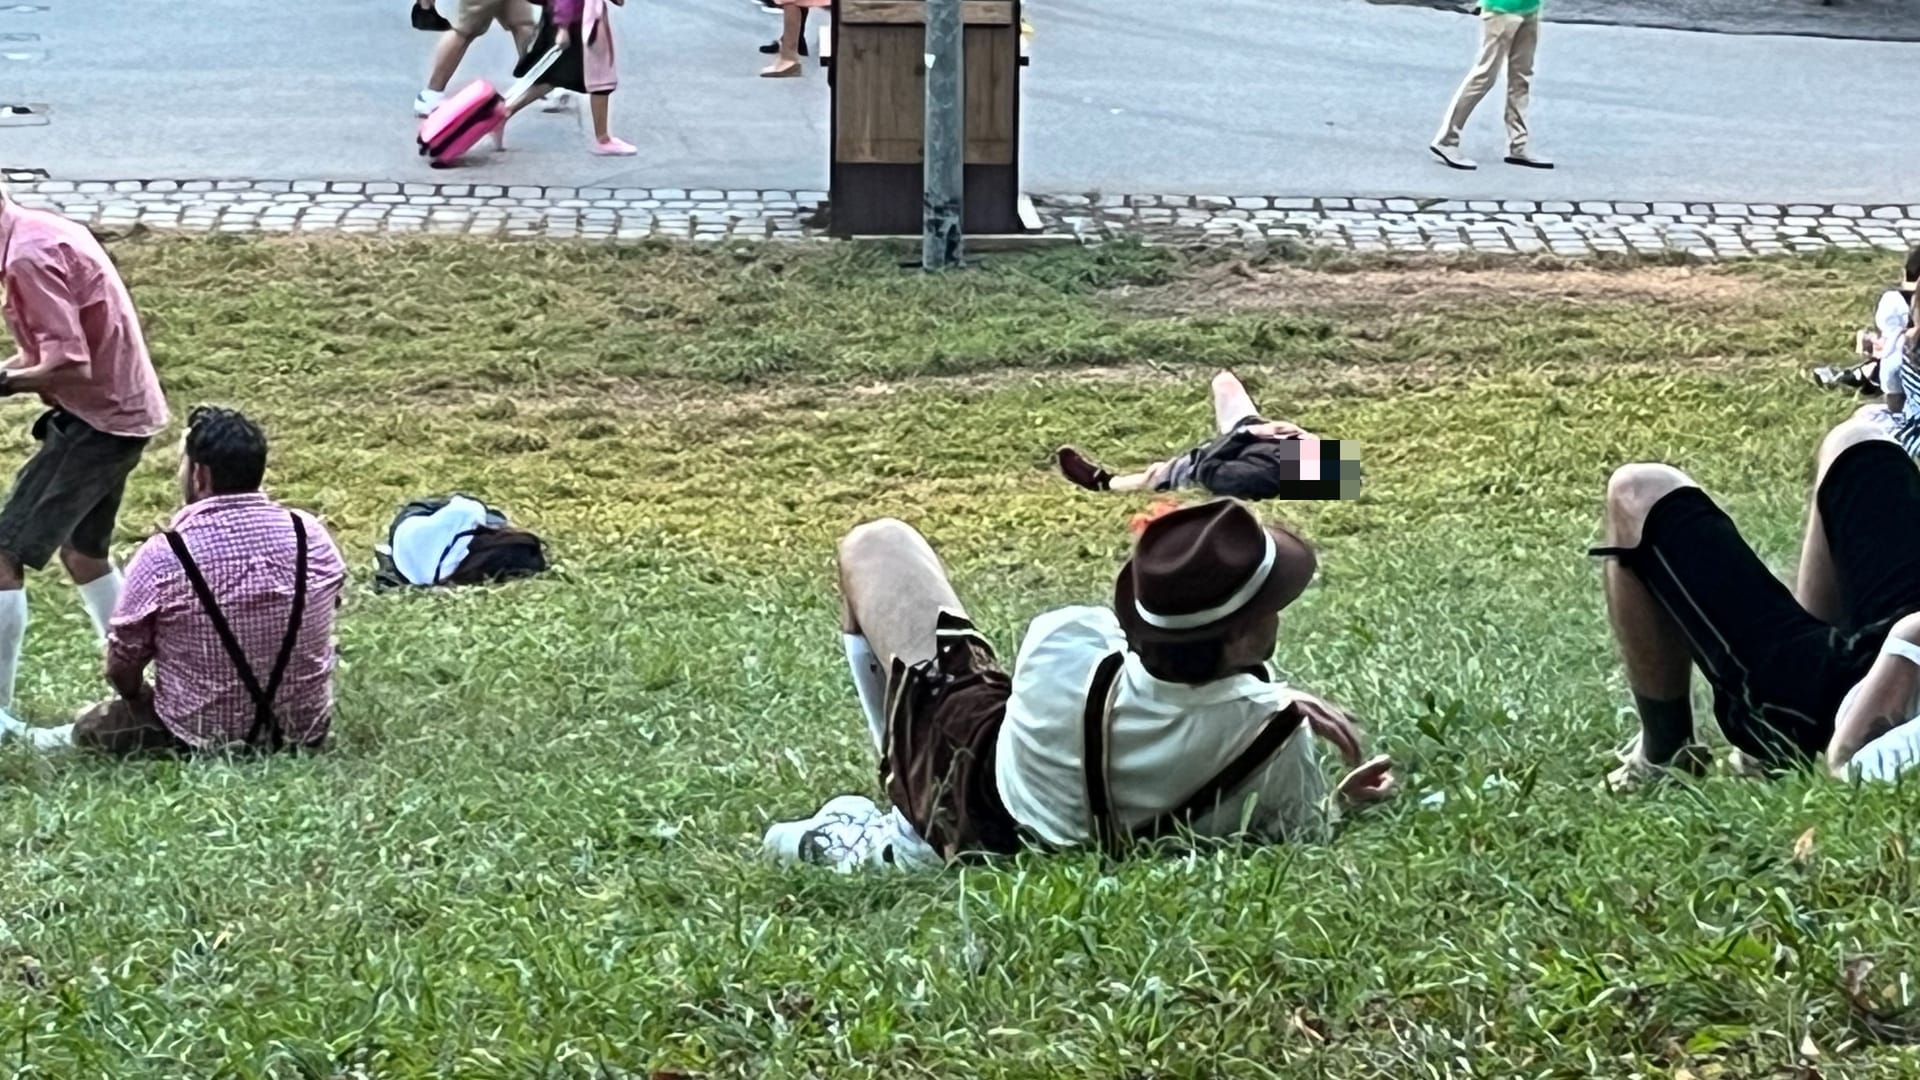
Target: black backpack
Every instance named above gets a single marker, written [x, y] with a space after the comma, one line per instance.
[496, 550]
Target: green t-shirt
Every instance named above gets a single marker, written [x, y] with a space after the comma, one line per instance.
[1511, 7]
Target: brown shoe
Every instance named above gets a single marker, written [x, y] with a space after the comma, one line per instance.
[1081, 472]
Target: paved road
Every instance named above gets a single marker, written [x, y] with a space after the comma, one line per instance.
[1273, 97]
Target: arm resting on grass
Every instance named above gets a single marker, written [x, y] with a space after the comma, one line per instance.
[131, 631]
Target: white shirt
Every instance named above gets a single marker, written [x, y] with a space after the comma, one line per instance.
[425, 550]
[1890, 321]
[1165, 741]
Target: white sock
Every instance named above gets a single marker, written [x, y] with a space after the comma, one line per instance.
[99, 596]
[870, 682]
[51, 738]
[11, 728]
[13, 630]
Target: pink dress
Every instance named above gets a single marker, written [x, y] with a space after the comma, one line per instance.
[600, 73]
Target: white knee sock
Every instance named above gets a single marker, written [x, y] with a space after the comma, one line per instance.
[99, 596]
[13, 630]
[870, 682]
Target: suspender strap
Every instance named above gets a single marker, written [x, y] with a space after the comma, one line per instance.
[1273, 733]
[1106, 677]
[1108, 832]
[440, 564]
[263, 718]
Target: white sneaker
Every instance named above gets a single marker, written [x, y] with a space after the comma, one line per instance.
[559, 101]
[1452, 157]
[426, 101]
[848, 833]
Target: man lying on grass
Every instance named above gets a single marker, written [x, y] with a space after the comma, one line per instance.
[1136, 721]
[233, 607]
[1683, 588]
[1251, 458]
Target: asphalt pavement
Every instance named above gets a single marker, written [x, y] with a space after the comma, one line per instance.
[1270, 97]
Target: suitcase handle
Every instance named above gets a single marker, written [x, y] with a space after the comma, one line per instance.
[524, 85]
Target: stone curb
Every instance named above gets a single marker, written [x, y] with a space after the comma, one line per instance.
[1434, 226]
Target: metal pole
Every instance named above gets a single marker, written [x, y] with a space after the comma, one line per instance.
[946, 133]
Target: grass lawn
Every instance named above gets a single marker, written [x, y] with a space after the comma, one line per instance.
[533, 851]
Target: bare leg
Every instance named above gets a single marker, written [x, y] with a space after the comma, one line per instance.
[1140, 481]
[84, 569]
[599, 106]
[1816, 586]
[794, 23]
[539, 91]
[446, 59]
[1231, 402]
[1653, 650]
[892, 588]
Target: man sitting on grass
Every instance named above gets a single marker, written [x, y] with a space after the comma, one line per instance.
[1892, 316]
[233, 608]
[1683, 588]
[1252, 458]
[1135, 721]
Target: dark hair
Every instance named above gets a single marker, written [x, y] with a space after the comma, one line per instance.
[502, 554]
[1189, 662]
[1196, 662]
[1913, 265]
[230, 447]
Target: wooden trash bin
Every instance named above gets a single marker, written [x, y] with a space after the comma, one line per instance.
[876, 51]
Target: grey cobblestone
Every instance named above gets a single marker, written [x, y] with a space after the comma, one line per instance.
[1397, 224]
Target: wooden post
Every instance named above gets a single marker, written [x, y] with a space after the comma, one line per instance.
[883, 117]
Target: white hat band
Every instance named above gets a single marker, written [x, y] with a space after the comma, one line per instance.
[1231, 604]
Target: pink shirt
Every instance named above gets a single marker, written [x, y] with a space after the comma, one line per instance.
[66, 305]
[245, 548]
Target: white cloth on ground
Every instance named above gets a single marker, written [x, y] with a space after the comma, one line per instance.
[428, 547]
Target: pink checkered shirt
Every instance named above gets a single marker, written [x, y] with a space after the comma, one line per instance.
[245, 548]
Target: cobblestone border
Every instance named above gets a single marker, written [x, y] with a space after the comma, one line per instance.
[1706, 230]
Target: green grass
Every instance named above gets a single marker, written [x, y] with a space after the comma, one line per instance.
[533, 851]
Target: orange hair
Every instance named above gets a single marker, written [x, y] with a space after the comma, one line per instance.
[1161, 508]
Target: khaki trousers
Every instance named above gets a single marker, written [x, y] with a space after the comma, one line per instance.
[1507, 40]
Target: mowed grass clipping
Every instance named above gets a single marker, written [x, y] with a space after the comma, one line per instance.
[533, 850]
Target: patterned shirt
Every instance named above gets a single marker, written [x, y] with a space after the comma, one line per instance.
[67, 306]
[245, 548]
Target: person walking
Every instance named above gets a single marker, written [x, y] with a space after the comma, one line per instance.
[470, 20]
[1509, 34]
[786, 64]
[582, 32]
[81, 350]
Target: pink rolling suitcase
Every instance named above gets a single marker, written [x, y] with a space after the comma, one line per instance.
[457, 124]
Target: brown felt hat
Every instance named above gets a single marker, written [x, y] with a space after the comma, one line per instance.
[1202, 571]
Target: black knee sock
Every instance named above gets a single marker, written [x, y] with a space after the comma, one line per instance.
[1665, 727]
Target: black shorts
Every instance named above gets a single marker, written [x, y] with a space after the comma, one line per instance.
[68, 493]
[1185, 466]
[1778, 673]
